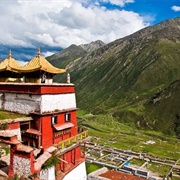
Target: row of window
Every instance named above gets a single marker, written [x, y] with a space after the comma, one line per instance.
[67, 118]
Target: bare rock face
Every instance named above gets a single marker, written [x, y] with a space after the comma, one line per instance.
[92, 46]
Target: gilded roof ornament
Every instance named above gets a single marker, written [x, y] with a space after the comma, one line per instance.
[10, 54]
[9, 64]
[39, 52]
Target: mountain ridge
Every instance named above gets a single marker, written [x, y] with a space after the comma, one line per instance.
[92, 46]
[122, 77]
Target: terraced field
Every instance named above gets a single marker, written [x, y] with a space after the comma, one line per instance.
[108, 132]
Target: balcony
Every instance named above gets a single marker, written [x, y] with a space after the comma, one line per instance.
[72, 142]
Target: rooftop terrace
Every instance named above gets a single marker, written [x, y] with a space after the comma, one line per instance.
[115, 175]
[6, 115]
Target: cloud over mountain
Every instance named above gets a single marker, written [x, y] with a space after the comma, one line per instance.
[62, 23]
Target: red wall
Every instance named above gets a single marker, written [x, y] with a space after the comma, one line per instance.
[56, 140]
[47, 132]
[69, 156]
[74, 121]
[78, 152]
[73, 130]
[14, 125]
[33, 88]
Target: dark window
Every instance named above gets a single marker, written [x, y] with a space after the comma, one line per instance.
[67, 117]
[54, 119]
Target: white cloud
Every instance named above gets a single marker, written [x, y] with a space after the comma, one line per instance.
[22, 63]
[48, 53]
[175, 8]
[65, 22]
[118, 2]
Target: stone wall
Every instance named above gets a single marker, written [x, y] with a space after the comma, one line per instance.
[27, 103]
[21, 103]
[21, 166]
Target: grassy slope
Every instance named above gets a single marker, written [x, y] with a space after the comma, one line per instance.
[106, 131]
[109, 87]
[65, 57]
[127, 137]
[123, 77]
[9, 115]
[115, 82]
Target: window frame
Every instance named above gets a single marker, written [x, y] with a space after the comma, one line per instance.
[67, 117]
[54, 119]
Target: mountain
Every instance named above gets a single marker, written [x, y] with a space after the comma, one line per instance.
[67, 55]
[92, 46]
[136, 78]
[71, 54]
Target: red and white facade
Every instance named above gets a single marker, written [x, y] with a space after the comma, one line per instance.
[51, 127]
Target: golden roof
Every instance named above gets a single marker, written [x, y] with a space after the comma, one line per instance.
[9, 64]
[39, 63]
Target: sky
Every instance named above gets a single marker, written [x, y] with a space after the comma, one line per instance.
[56, 24]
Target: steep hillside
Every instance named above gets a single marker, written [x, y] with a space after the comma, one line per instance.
[164, 106]
[72, 54]
[65, 56]
[124, 76]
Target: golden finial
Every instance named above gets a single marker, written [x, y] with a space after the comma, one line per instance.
[10, 54]
[39, 52]
[68, 78]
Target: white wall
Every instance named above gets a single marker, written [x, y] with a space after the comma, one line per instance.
[79, 173]
[25, 103]
[48, 174]
[21, 103]
[58, 102]
[15, 132]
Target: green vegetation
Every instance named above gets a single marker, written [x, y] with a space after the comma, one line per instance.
[136, 79]
[92, 167]
[52, 161]
[9, 115]
[158, 168]
[137, 162]
[3, 126]
[7, 149]
[129, 90]
[106, 130]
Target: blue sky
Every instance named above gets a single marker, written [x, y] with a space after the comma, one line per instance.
[56, 24]
[153, 11]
